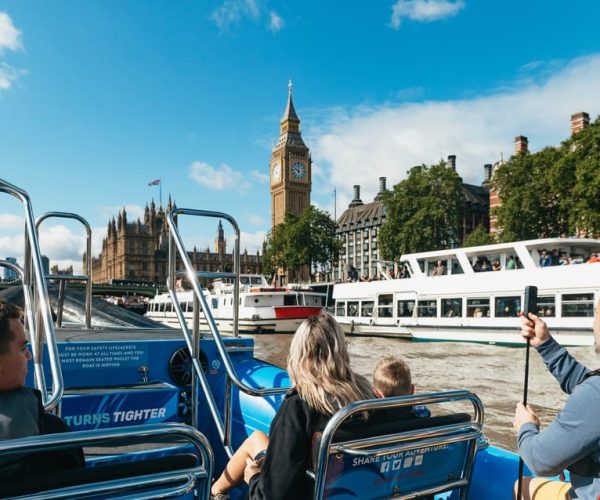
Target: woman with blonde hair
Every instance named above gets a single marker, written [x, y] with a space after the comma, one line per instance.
[322, 383]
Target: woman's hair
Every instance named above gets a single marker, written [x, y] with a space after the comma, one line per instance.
[319, 366]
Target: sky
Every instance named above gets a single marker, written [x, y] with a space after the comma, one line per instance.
[98, 98]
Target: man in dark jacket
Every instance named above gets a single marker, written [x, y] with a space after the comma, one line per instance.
[21, 410]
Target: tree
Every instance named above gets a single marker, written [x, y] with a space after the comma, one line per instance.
[554, 192]
[423, 212]
[308, 241]
[479, 236]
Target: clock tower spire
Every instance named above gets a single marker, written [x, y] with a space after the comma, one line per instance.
[290, 167]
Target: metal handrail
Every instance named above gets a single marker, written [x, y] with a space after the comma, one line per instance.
[34, 277]
[176, 243]
[134, 433]
[326, 447]
[62, 279]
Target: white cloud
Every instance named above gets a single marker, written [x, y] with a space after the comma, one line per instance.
[231, 12]
[276, 23]
[217, 178]
[12, 221]
[360, 145]
[10, 37]
[260, 176]
[424, 11]
[256, 220]
[248, 241]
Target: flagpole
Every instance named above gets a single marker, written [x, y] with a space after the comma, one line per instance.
[160, 191]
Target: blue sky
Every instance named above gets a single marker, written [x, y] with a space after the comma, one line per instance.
[99, 97]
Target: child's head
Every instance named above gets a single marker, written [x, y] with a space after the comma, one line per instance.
[392, 377]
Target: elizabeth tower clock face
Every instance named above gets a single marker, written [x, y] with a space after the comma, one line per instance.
[276, 175]
[298, 170]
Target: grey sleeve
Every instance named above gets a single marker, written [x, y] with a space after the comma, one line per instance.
[564, 367]
[573, 435]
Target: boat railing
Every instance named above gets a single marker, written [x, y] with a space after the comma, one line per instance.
[41, 321]
[192, 339]
[157, 485]
[469, 432]
[64, 278]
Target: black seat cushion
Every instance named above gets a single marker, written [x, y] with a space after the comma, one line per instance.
[88, 475]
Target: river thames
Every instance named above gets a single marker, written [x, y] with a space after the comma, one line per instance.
[494, 373]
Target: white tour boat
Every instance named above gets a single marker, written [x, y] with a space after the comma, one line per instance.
[448, 295]
[262, 308]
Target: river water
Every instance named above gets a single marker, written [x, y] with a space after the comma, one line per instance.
[494, 373]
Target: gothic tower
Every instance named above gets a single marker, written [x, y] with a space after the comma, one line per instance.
[220, 242]
[290, 168]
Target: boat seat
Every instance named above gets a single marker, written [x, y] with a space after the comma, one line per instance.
[392, 455]
[27, 485]
[177, 472]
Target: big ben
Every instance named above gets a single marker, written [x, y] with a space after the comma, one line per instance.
[290, 168]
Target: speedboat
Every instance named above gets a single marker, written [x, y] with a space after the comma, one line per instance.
[158, 413]
[448, 295]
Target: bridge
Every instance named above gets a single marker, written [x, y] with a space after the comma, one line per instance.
[104, 288]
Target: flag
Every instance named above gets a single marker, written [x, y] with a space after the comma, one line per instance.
[155, 182]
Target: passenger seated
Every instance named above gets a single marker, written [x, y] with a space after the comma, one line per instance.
[323, 383]
[391, 378]
[21, 410]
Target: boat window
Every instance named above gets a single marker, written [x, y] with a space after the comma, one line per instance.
[161, 307]
[352, 308]
[578, 304]
[290, 300]
[547, 306]
[455, 267]
[340, 308]
[406, 308]
[478, 308]
[169, 307]
[385, 307]
[244, 280]
[366, 309]
[452, 307]
[427, 308]
[507, 307]
[256, 280]
[215, 303]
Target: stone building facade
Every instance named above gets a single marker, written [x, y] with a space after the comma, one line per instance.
[358, 227]
[139, 250]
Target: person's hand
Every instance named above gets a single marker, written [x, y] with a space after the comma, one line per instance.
[535, 329]
[523, 415]
[252, 468]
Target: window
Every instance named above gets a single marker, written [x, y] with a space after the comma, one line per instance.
[289, 300]
[547, 306]
[352, 308]
[340, 308]
[256, 280]
[406, 308]
[451, 307]
[385, 308]
[426, 308]
[578, 305]
[478, 308]
[507, 307]
[366, 309]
